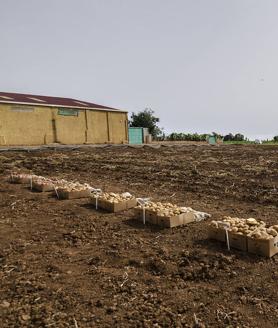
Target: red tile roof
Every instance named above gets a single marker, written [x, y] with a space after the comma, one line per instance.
[7, 97]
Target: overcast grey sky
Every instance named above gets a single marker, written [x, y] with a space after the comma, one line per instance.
[202, 65]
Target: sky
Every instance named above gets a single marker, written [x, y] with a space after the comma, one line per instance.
[201, 65]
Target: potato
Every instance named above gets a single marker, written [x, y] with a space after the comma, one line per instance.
[275, 227]
[252, 221]
[272, 232]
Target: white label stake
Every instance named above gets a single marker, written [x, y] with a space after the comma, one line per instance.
[227, 237]
[144, 215]
[96, 193]
[56, 192]
[226, 226]
[96, 201]
[143, 202]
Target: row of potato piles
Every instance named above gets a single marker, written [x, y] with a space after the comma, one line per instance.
[249, 227]
[160, 209]
[113, 198]
[59, 184]
[71, 186]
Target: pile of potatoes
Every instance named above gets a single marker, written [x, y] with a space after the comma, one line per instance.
[42, 180]
[57, 183]
[249, 227]
[18, 177]
[114, 198]
[164, 209]
[72, 186]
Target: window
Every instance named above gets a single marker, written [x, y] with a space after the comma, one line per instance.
[68, 112]
[23, 109]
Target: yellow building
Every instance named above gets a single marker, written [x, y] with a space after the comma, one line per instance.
[37, 120]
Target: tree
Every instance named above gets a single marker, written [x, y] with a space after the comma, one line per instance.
[217, 135]
[187, 137]
[239, 137]
[228, 137]
[146, 119]
[236, 137]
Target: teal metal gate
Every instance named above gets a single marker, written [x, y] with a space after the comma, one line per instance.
[135, 136]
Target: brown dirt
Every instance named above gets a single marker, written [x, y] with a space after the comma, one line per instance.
[62, 264]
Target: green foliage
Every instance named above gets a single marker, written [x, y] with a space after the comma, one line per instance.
[146, 119]
[187, 137]
[236, 137]
[244, 142]
[239, 137]
[228, 137]
[217, 135]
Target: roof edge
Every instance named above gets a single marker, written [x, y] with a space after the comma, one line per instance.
[64, 106]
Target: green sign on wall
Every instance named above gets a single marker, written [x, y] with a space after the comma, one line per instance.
[68, 112]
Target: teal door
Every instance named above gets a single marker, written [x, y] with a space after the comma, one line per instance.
[135, 136]
[212, 140]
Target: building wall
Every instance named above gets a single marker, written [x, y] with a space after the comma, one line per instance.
[97, 127]
[37, 125]
[25, 125]
[117, 125]
[70, 129]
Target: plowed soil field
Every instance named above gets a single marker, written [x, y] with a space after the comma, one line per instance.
[64, 264]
